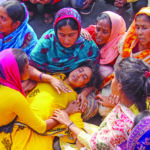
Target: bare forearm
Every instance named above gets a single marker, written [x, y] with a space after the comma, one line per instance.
[37, 75]
[86, 91]
[73, 128]
[51, 123]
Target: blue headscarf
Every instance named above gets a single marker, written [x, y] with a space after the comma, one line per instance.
[49, 55]
[23, 37]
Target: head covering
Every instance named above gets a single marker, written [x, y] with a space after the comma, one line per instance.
[140, 136]
[131, 39]
[23, 37]
[49, 55]
[109, 51]
[9, 71]
[68, 13]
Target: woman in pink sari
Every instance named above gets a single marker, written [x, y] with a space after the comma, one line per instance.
[106, 35]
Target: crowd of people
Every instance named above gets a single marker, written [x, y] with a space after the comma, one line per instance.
[50, 87]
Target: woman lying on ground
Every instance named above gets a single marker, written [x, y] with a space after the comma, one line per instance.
[15, 32]
[131, 84]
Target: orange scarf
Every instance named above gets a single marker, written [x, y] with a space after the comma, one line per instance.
[131, 40]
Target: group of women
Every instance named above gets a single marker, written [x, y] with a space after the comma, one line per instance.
[40, 79]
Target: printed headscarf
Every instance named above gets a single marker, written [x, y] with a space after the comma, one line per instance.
[68, 13]
[131, 39]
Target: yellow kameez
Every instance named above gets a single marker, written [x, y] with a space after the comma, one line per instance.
[43, 101]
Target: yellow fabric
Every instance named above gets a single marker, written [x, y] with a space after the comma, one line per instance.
[130, 1]
[134, 109]
[13, 103]
[43, 101]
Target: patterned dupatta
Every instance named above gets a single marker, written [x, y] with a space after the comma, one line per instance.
[9, 71]
[130, 40]
[50, 56]
[23, 37]
[114, 129]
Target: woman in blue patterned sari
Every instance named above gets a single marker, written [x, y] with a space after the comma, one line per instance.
[62, 49]
[15, 32]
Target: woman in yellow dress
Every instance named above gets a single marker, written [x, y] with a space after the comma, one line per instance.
[14, 67]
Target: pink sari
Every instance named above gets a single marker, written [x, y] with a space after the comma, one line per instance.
[110, 50]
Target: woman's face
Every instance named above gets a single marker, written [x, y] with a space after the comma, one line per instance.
[143, 30]
[80, 77]
[6, 23]
[102, 32]
[67, 36]
[25, 75]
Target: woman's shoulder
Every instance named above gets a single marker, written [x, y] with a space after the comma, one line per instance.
[90, 43]
[48, 34]
[7, 92]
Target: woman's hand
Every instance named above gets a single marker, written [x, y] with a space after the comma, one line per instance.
[72, 107]
[86, 34]
[61, 116]
[58, 85]
[107, 101]
[82, 99]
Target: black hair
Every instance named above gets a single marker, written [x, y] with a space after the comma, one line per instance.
[103, 16]
[95, 79]
[15, 10]
[140, 15]
[138, 5]
[21, 59]
[140, 116]
[130, 72]
[67, 21]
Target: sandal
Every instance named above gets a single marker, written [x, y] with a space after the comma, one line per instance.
[48, 18]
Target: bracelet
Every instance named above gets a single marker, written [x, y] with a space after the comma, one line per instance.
[40, 76]
[70, 125]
